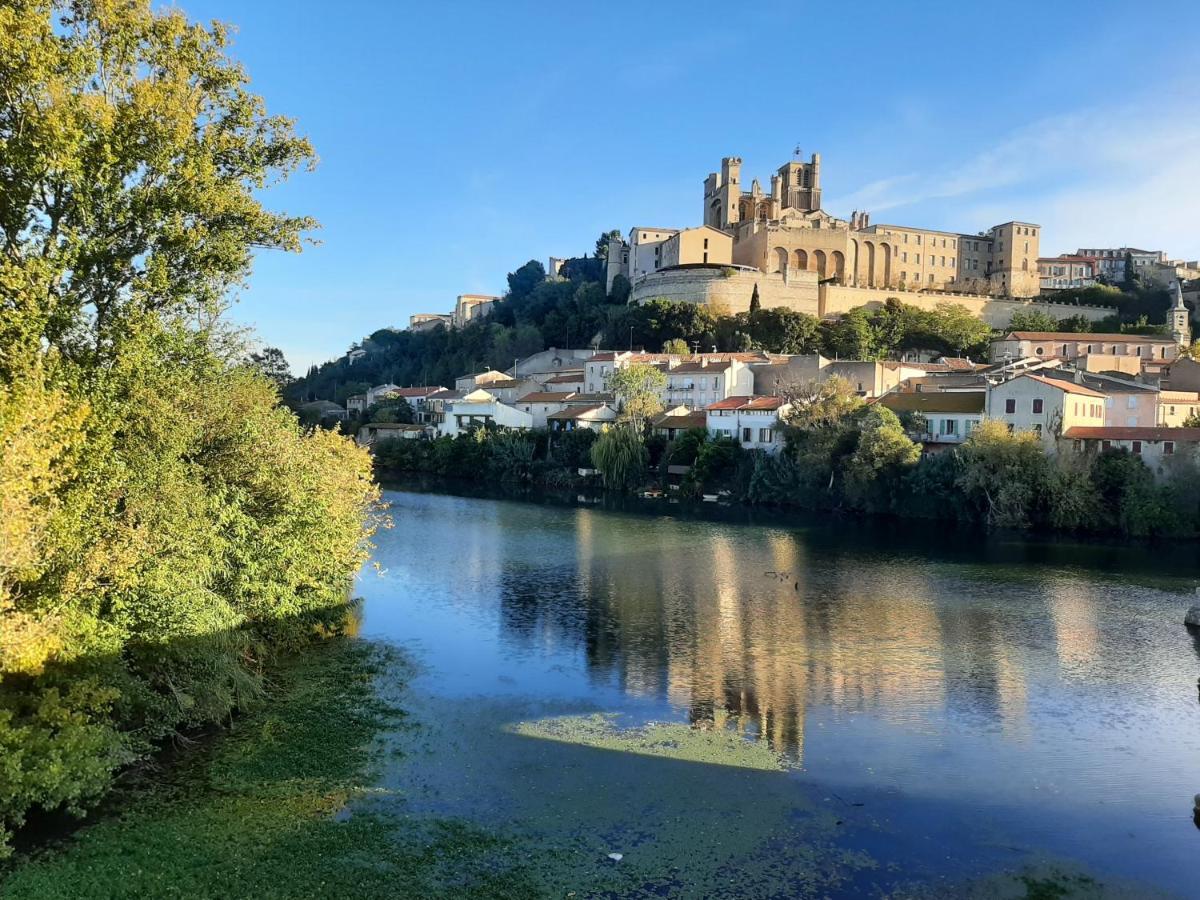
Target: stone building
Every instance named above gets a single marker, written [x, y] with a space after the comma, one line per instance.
[1059, 273]
[786, 231]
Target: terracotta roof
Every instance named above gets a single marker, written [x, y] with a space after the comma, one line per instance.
[505, 383]
[1085, 337]
[701, 366]
[958, 364]
[577, 412]
[592, 398]
[747, 403]
[607, 356]
[1094, 433]
[545, 397]
[447, 394]
[689, 420]
[940, 402]
[566, 378]
[1068, 387]
[1179, 396]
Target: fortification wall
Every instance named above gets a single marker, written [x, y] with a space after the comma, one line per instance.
[728, 289]
[836, 299]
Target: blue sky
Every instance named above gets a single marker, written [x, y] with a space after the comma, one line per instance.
[458, 140]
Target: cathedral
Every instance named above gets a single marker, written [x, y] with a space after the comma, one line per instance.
[785, 231]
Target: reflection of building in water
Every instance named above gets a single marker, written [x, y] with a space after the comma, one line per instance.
[1073, 611]
[748, 628]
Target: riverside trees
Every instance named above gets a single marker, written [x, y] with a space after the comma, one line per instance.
[167, 526]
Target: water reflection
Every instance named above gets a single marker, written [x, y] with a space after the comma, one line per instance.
[1049, 698]
[699, 614]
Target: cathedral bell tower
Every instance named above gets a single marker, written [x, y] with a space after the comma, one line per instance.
[1181, 327]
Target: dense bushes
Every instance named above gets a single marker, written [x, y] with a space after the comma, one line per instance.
[166, 525]
[538, 456]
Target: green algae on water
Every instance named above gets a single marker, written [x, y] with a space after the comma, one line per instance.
[686, 743]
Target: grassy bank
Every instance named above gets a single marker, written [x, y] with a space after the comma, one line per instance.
[261, 811]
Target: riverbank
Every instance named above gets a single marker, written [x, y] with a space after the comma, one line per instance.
[263, 810]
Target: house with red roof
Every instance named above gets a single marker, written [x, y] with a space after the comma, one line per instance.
[754, 422]
[1046, 406]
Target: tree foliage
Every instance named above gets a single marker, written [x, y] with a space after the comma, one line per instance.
[638, 388]
[621, 457]
[273, 365]
[167, 526]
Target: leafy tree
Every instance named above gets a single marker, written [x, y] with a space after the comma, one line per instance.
[958, 330]
[1192, 420]
[393, 409]
[522, 282]
[755, 303]
[686, 447]
[602, 242]
[621, 457]
[850, 337]
[638, 388]
[717, 463]
[1076, 324]
[780, 330]
[1003, 474]
[511, 455]
[165, 525]
[821, 404]
[882, 457]
[271, 362]
[676, 346]
[1032, 320]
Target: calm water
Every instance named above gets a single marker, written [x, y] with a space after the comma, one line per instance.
[872, 711]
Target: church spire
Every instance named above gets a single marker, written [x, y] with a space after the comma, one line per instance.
[1181, 324]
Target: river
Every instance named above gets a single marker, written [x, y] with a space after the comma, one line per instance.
[786, 708]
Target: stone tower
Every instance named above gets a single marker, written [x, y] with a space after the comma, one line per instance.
[799, 184]
[1181, 327]
[722, 191]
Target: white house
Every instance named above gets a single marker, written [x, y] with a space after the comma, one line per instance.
[950, 416]
[480, 408]
[541, 404]
[754, 422]
[572, 418]
[697, 383]
[374, 394]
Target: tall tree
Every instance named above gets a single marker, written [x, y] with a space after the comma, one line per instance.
[638, 388]
[755, 303]
[676, 346]
[522, 282]
[271, 362]
[602, 243]
[132, 154]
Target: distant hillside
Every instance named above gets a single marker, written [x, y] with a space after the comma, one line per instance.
[535, 313]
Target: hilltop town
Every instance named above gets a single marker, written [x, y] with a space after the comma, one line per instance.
[992, 330]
